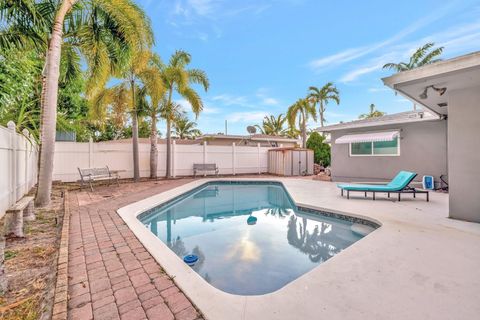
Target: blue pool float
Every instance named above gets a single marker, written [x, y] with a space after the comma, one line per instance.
[190, 259]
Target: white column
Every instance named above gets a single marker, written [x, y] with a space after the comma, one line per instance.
[90, 152]
[27, 164]
[13, 163]
[174, 149]
[233, 158]
[258, 158]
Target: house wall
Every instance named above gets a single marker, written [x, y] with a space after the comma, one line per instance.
[423, 149]
[464, 153]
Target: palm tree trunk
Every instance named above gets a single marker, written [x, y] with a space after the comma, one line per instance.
[169, 135]
[136, 169]
[168, 173]
[49, 118]
[153, 147]
[321, 111]
[304, 133]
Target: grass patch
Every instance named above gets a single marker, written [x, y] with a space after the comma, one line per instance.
[10, 254]
[26, 309]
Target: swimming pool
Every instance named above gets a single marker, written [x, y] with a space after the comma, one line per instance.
[249, 237]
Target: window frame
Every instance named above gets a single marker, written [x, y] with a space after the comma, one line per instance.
[372, 154]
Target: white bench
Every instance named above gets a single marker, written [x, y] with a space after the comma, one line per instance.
[90, 175]
[204, 167]
[15, 215]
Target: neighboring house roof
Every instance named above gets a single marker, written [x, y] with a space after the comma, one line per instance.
[254, 137]
[147, 140]
[396, 118]
[452, 74]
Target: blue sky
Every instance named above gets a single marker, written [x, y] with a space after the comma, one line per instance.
[261, 56]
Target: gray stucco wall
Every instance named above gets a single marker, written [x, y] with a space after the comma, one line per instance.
[464, 153]
[423, 149]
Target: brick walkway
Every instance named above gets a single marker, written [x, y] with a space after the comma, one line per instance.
[111, 275]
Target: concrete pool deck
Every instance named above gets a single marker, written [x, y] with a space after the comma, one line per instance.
[418, 265]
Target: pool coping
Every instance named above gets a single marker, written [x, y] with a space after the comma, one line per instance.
[215, 303]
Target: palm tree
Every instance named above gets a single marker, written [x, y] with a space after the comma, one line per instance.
[303, 109]
[322, 96]
[183, 128]
[372, 114]
[272, 125]
[177, 78]
[422, 56]
[100, 31]
[138, 80]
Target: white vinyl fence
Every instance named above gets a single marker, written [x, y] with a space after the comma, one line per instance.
[118, 156]
[18, 166]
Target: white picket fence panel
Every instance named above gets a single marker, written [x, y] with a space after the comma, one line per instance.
[118, 156]
[18, 166]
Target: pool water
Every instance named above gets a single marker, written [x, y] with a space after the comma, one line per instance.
[250, 238]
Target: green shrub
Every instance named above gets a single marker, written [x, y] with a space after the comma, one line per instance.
[321, 150]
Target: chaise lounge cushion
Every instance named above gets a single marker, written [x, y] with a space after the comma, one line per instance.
[401, 180]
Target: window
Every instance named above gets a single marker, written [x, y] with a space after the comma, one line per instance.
[378, 148]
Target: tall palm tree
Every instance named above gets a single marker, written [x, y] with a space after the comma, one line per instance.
[178, 79]
[422, 56]
[100, 31]
[272, 125]
[138, 80]
[374, 113]
[302, 110]
[183, 128]
[322, 96]
[132, 26]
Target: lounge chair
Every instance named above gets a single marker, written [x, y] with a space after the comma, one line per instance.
[399, 185]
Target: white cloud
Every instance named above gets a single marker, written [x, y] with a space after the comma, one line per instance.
[270, 101]
[206, 108]
[229, 100]
[337, 58]
[456, 39]
[354, 74]
[248, 117]
[352, 54]
[262, 94]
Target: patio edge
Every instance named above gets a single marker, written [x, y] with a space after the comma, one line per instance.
[61, 288]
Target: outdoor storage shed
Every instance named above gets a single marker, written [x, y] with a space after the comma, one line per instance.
[290, 161]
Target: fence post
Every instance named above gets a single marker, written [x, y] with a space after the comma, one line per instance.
[27, 135]
[258, 157]
[174, 149]
[233, 158]
[204, 152]
[90, 152]
[13, 163]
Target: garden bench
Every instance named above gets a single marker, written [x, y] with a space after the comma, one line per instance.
[204, 167]
[97, 174]
[14, 216]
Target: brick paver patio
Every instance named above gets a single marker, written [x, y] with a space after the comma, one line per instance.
[111, 275]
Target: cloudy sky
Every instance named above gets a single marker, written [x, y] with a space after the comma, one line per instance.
[262, 55]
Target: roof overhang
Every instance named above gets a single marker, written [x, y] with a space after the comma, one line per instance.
[453, 74]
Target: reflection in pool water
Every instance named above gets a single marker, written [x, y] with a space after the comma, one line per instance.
[243, 258]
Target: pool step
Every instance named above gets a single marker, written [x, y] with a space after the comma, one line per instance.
[361, 229]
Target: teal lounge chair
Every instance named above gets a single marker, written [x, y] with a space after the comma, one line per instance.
[399, 184]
